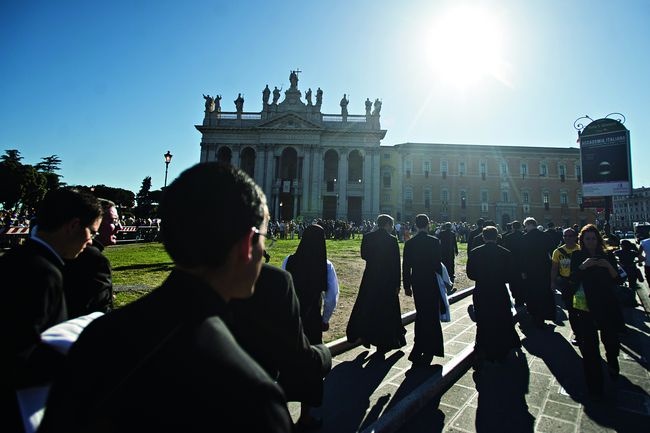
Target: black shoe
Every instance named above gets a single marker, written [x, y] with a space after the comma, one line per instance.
[471, 312]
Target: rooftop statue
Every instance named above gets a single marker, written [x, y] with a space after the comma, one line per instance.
[276, 95]
[209, 103]
[239, 103]
[377, 107]
[266, 94]
[217, 104]
[308, 97]
[368, 106]
[344, 105]
[293, 79]
[319, 97]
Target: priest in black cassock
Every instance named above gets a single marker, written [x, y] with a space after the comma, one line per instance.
[491, 266]
[535, 266]
[422, 260]
[376, 317]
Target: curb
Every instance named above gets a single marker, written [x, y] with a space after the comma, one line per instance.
[342, 344]
[410, 405]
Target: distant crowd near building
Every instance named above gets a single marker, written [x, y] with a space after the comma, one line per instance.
[317, 165]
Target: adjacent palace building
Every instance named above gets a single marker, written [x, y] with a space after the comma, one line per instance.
[311, 164]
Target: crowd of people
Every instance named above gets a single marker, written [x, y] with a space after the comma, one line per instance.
[229, 339]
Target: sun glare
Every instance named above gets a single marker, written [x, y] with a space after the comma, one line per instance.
[465, 46]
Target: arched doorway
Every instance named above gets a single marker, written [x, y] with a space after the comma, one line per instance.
[247, 162]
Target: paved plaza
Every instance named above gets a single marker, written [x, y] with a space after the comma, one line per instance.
[538, 389]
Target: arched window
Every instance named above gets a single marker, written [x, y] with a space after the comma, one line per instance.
[247, 162]
[224, 154]
[355, 167]
[289, 164]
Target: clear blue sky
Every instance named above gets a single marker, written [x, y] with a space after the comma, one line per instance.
[111, 86]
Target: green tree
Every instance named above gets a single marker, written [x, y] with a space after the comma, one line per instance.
[22, 184]
[12, 157]
[143, 209]
[123, 198]
[49, 166]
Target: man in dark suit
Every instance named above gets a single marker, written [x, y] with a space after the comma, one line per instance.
[33, 300]
[168, 360]
[422, 260]
[536, 272]
[88, 278]
[513, 243]
[449, 249]
[491, 266]
[282, 350]
[376, 317]
[476, 232]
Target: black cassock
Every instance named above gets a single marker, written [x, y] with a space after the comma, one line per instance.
[535, 262]
[268, 326]
[491, 266]
[376, 316]
[421, 262]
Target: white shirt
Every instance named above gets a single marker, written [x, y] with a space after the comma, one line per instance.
[331, 295]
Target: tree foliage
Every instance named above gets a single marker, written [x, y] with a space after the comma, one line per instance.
[144, 207]
[22, 184]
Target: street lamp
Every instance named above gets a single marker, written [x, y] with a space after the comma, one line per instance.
[168, 159]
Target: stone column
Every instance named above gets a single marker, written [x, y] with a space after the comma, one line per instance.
[259, 167]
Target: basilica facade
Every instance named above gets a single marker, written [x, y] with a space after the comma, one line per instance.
[309, 164]
[316, 165]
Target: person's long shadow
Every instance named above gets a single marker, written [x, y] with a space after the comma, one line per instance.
[413, 378]
[348, 388]
[566, 365]
[502, 390]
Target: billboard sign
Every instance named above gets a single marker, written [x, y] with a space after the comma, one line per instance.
[605, 158]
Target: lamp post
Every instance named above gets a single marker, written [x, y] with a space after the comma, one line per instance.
[168, 159]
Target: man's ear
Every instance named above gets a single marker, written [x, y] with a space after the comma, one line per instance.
[245, 247]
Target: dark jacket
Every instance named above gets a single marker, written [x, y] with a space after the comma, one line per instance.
[33, 302]
[491, 266]
[169, 363]
[268, 326]
[88, 283]
[422, 257]
[376, 315]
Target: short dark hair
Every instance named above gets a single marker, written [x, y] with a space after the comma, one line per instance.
[480, 222]
[226, 201]
[516, 225]
[384, 219]
[59, 206]
[421, 221]
[490, 233]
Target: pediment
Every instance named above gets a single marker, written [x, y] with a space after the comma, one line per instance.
[289, 121]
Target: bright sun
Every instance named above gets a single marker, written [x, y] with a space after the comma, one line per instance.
[466, 45]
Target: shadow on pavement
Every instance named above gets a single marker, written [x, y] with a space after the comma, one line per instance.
[502, 389]
[348, 388]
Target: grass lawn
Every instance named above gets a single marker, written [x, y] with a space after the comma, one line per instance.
[143, 267]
